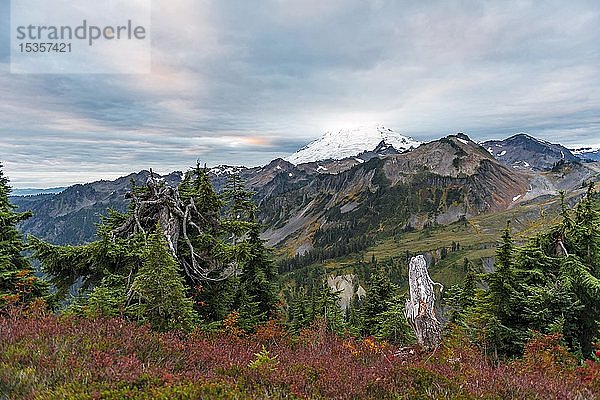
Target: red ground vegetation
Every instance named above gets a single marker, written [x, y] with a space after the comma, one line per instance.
[47, 356]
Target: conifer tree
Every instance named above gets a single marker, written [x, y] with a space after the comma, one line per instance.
[502, 293]
[159, 290]
[559, 271]
[300, 312]
[469, 287]
[354, 313]
[550, 284]
[579, 271]
[107, 299]
[502, 301]
[213, 238]
[379, 293]
[327, 307]
[18, 284]
[392, 323]
[461, 298]
[258, 294]
[205, 237]
[239, 205]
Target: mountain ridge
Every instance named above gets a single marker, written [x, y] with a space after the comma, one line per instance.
[525, 151]
[436, 183]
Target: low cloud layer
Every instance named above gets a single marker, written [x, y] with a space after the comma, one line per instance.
[238, 82]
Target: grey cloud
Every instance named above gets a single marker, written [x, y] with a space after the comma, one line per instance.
[280, 72]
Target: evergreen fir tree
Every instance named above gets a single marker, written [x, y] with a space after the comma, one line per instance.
[88, 264]
[502, 293]
[196, 191]
[502, 303]
[461, 298]
[560, 276]
[18, 284]
[197, 185]
[550, 284]
[580, 269]
[469, 287]
[239, 205]
[258, 293]
[327, 307]
[392, 324]
[159, 289]
[107, 299]
[376, 301]
[224, 236]
[300, 312]
[354, 313]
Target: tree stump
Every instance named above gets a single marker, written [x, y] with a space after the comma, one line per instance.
[423, 309]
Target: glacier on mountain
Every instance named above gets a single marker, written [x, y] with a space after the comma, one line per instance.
[337, 145]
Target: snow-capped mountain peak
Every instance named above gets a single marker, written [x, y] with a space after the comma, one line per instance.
[337, 145]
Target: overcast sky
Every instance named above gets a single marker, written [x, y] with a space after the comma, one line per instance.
[244, 82]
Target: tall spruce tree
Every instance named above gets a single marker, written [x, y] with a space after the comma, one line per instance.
[18, 284]
[300, 313]
[460, 299]
[257, 293]
[561, 276]
[502, 303]
[469, 287]
[328, 308]
[392, 324]
[158, 289]
[376, 302]
[502, 292]
[256, 276]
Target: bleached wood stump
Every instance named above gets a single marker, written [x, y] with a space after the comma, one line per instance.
[423, 309]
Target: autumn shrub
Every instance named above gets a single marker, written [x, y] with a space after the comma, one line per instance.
[58, 357]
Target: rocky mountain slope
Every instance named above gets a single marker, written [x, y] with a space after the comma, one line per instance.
[439, 182]
[527, 152]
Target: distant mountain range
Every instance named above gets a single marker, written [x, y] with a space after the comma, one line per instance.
[70, 216]
[325, 198]
[33, 191]
[524, 151]
[587, 153]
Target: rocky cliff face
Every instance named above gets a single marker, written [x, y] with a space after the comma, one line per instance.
[348, 287]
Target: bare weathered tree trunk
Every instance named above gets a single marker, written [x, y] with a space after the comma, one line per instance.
[163, 204]
[423, 309]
